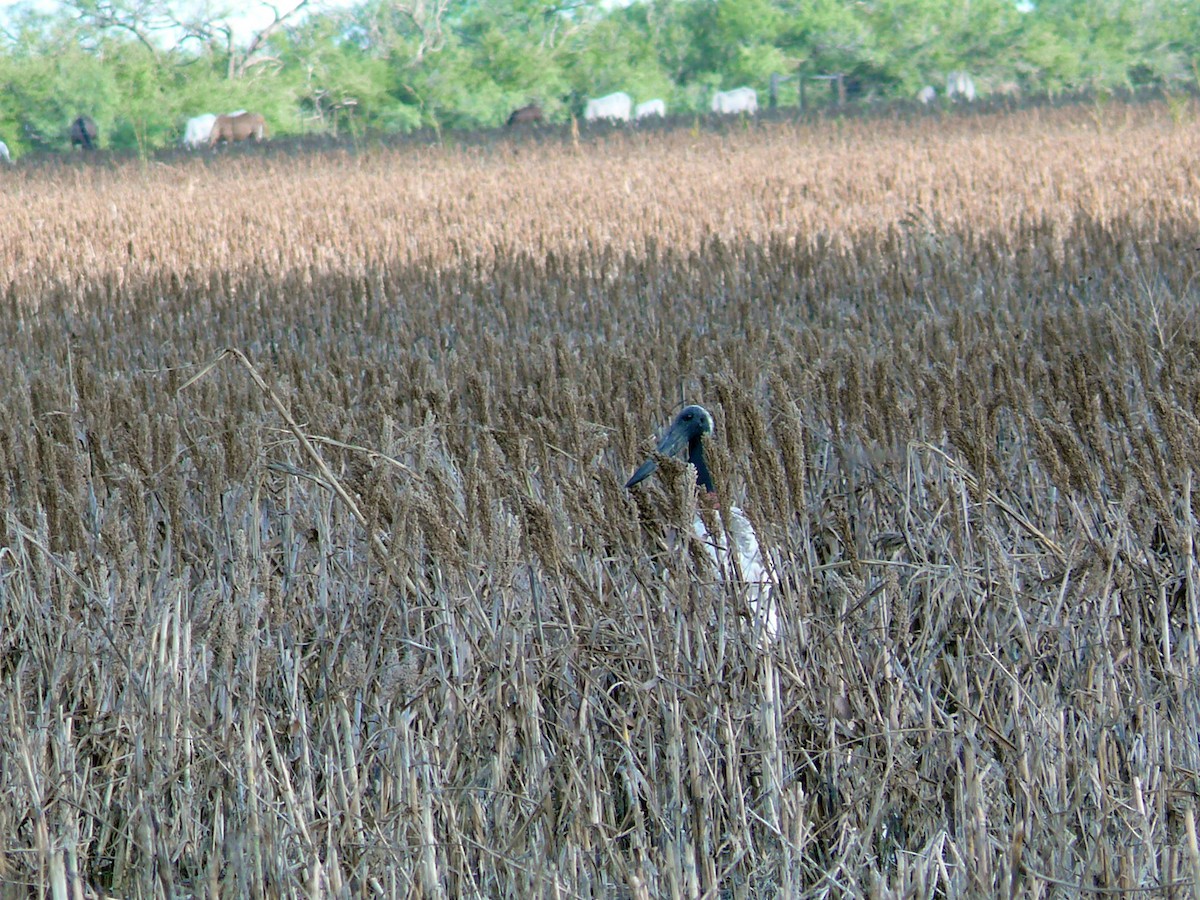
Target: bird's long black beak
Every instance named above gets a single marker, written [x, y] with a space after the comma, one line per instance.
[672, 442]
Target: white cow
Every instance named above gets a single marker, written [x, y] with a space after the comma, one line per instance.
[739, 100]
[4, 152]
[959, 84]
[650, 108]
[199, 129]
[927, 94]
[615, 107]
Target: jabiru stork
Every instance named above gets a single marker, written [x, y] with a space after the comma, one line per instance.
[745, 567]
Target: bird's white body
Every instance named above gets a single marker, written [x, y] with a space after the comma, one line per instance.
[744, 567]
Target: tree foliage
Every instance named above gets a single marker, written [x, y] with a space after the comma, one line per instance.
[140, 68]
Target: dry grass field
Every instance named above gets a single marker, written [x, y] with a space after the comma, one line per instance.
[368, 611]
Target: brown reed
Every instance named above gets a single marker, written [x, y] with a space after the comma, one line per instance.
[364, 608]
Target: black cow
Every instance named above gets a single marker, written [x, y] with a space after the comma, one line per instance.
[84, 133]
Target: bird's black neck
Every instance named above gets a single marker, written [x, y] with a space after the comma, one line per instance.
[696, 458]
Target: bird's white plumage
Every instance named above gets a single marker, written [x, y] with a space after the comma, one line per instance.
[744, 567]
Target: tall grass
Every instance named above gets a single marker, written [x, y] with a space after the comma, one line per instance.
[953, 366]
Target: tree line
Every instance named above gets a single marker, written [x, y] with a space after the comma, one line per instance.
[140, 68]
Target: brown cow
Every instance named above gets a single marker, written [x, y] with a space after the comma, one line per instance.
[242, 127]
[525, 115]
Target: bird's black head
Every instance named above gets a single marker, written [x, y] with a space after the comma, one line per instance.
[688, 429]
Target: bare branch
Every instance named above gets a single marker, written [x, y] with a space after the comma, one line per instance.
[260, 37]
[139, 18]
[149, 20]
[262, 61]
[425, 18]
[206, 31]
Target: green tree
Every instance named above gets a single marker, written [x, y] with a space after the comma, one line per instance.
[1075, 44]
[916, 42]
[827, 36]
[500, 56]
[338, 83]
[142, 67]
[51, 71]
[617, 52]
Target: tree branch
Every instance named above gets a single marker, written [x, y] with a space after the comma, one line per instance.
[139, 18]
[256, 42]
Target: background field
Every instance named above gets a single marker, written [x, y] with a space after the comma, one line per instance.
[953, 365]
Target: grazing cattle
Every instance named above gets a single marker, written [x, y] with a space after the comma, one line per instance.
[84, 133]
[526, 115]
[199, 129]
[650, 108]
[739, 100]
[927, 94]
[614, 107]
[960, 85]
[242, 127]
[4, 152]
